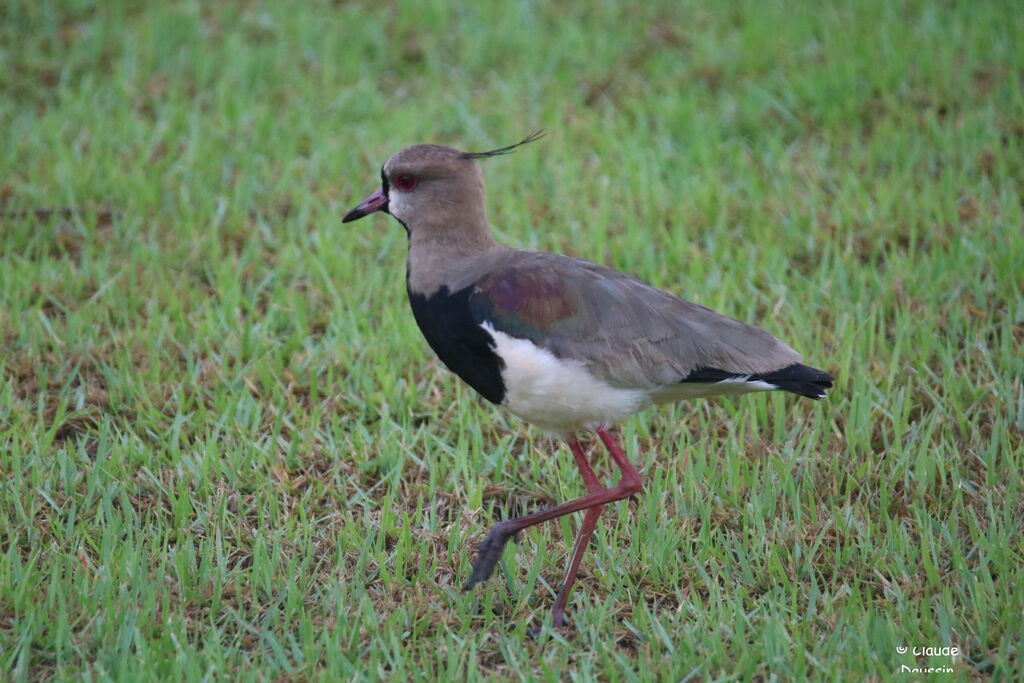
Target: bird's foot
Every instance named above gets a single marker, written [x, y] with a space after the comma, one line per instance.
[488, 553]
[558, 622]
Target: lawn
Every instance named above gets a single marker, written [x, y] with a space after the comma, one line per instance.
[226, 452]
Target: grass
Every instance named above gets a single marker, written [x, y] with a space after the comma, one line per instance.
[227, 453]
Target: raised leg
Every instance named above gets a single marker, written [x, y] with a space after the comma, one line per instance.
[582, 537]
[629, 484]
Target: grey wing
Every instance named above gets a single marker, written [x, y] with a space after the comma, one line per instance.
[626, 331]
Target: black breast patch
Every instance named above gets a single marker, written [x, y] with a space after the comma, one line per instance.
[458, 340]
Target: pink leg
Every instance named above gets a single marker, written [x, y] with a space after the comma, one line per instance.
[582, 537]
[629, 484]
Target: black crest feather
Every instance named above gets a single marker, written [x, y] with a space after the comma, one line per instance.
[535, 135]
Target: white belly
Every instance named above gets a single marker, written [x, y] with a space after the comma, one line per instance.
[559, 395]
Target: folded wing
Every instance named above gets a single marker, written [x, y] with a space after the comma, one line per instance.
[626, 332]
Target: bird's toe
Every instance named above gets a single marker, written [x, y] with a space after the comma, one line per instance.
[487, 555]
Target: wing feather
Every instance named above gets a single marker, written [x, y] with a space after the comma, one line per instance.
[626, 331]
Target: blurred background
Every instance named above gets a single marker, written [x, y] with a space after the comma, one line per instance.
[227, 452]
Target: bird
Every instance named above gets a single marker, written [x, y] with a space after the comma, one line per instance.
[570, 346]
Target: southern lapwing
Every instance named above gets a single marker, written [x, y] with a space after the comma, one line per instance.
[568, 345]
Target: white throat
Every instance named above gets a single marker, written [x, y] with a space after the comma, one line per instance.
[399, 205]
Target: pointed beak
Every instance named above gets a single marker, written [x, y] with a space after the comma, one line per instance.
[378, 201]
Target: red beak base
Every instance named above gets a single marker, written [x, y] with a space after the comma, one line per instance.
[378, 201]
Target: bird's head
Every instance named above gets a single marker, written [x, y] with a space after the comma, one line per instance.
[431, 187]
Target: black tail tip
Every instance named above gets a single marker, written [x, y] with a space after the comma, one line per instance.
[802, 380]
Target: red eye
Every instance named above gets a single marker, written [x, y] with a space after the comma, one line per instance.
[405, 182]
